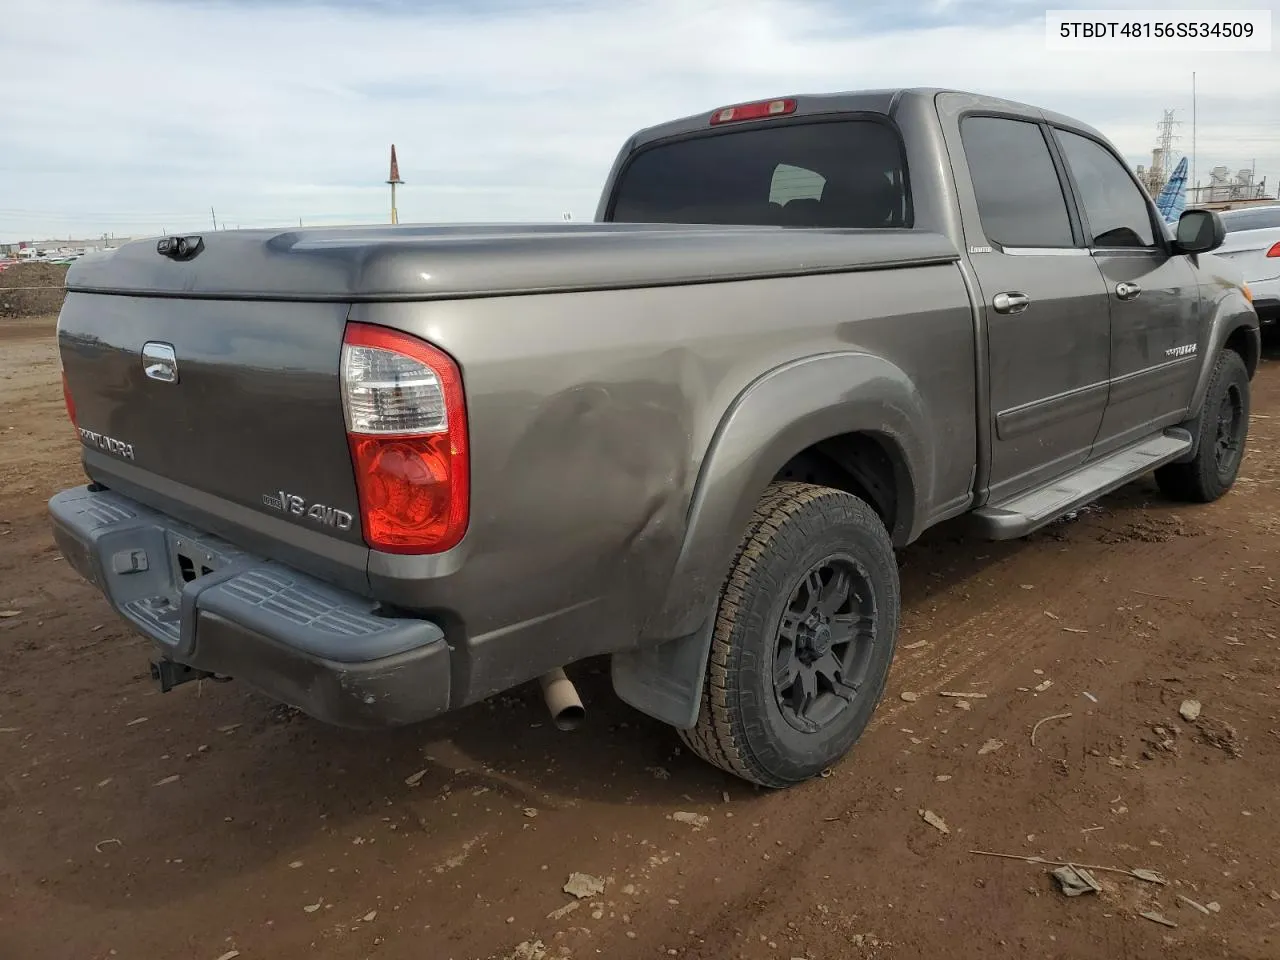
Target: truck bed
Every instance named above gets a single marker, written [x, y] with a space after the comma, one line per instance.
[600, 365]
[399, 263]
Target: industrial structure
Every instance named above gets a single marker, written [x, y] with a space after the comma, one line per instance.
[1224, 189]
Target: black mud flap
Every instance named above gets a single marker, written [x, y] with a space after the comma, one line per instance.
[665, 680]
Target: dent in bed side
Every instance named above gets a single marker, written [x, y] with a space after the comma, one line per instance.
[783, 413]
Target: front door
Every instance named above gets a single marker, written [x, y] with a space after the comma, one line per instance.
[1047, 326]
[1154, 305]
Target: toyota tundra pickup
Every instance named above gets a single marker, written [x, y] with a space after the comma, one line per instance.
[378, 473]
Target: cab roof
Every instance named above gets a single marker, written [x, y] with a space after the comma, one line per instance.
[881, 101]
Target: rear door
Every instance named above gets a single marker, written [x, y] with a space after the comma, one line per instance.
[1043, 303]
[1152, 294]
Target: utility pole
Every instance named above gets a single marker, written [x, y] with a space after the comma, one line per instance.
[215, 218]
[394, 179]
[1193, 137]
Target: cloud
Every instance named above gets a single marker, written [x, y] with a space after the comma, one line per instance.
[130, 116]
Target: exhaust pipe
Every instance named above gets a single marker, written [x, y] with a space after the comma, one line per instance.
[562, 700]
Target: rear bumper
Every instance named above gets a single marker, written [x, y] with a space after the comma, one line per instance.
[206, 604]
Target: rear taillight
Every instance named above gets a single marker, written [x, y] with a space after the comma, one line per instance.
[753, 111]
[1274, 251]
[407, 428]
[66, 396]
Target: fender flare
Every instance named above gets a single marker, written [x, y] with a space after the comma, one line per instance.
[780, 414]
[1231, 314]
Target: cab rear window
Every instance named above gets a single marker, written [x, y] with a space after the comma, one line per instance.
[833, 174]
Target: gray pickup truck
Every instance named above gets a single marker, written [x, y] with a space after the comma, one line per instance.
[383, 472]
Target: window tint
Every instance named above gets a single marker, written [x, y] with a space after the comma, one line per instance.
[1115, 207]
[1251, 218]
[1019, 194]
[846, 173]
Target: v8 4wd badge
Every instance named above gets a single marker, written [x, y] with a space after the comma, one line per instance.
[296, 506]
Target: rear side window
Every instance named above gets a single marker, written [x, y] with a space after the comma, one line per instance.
[1115, 207]
[1020, 199]
[843, 173]
[1257, 218]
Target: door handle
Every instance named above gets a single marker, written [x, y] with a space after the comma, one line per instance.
[1126, 290]
[1010, 302]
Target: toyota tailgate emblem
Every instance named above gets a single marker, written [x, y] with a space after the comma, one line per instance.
[160, 362]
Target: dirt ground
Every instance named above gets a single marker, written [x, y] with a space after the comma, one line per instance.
[207, 821]
[31, 289]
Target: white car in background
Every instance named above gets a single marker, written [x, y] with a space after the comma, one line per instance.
[1253, 247]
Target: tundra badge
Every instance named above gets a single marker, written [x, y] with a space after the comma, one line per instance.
[106, 444]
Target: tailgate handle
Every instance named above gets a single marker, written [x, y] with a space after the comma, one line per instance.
[159, 362]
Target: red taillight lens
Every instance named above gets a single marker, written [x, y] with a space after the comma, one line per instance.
[66, 396]
[753, 111]
[1274, 251]
[409, 500]
[406, 424]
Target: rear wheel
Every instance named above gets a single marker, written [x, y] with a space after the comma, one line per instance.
[804, 634]
[1224, 427]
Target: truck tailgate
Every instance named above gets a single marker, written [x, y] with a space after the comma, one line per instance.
[245, 417]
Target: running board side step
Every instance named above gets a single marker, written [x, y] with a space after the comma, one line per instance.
[1028, 512]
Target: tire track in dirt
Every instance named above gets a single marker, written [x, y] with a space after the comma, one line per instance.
[988, 637]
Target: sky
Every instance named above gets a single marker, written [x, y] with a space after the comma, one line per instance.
[133, 117]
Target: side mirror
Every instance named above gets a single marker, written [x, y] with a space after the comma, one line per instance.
[1199, 231]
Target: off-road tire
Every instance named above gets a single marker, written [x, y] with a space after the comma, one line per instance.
[1209, 475]
[741, 727]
